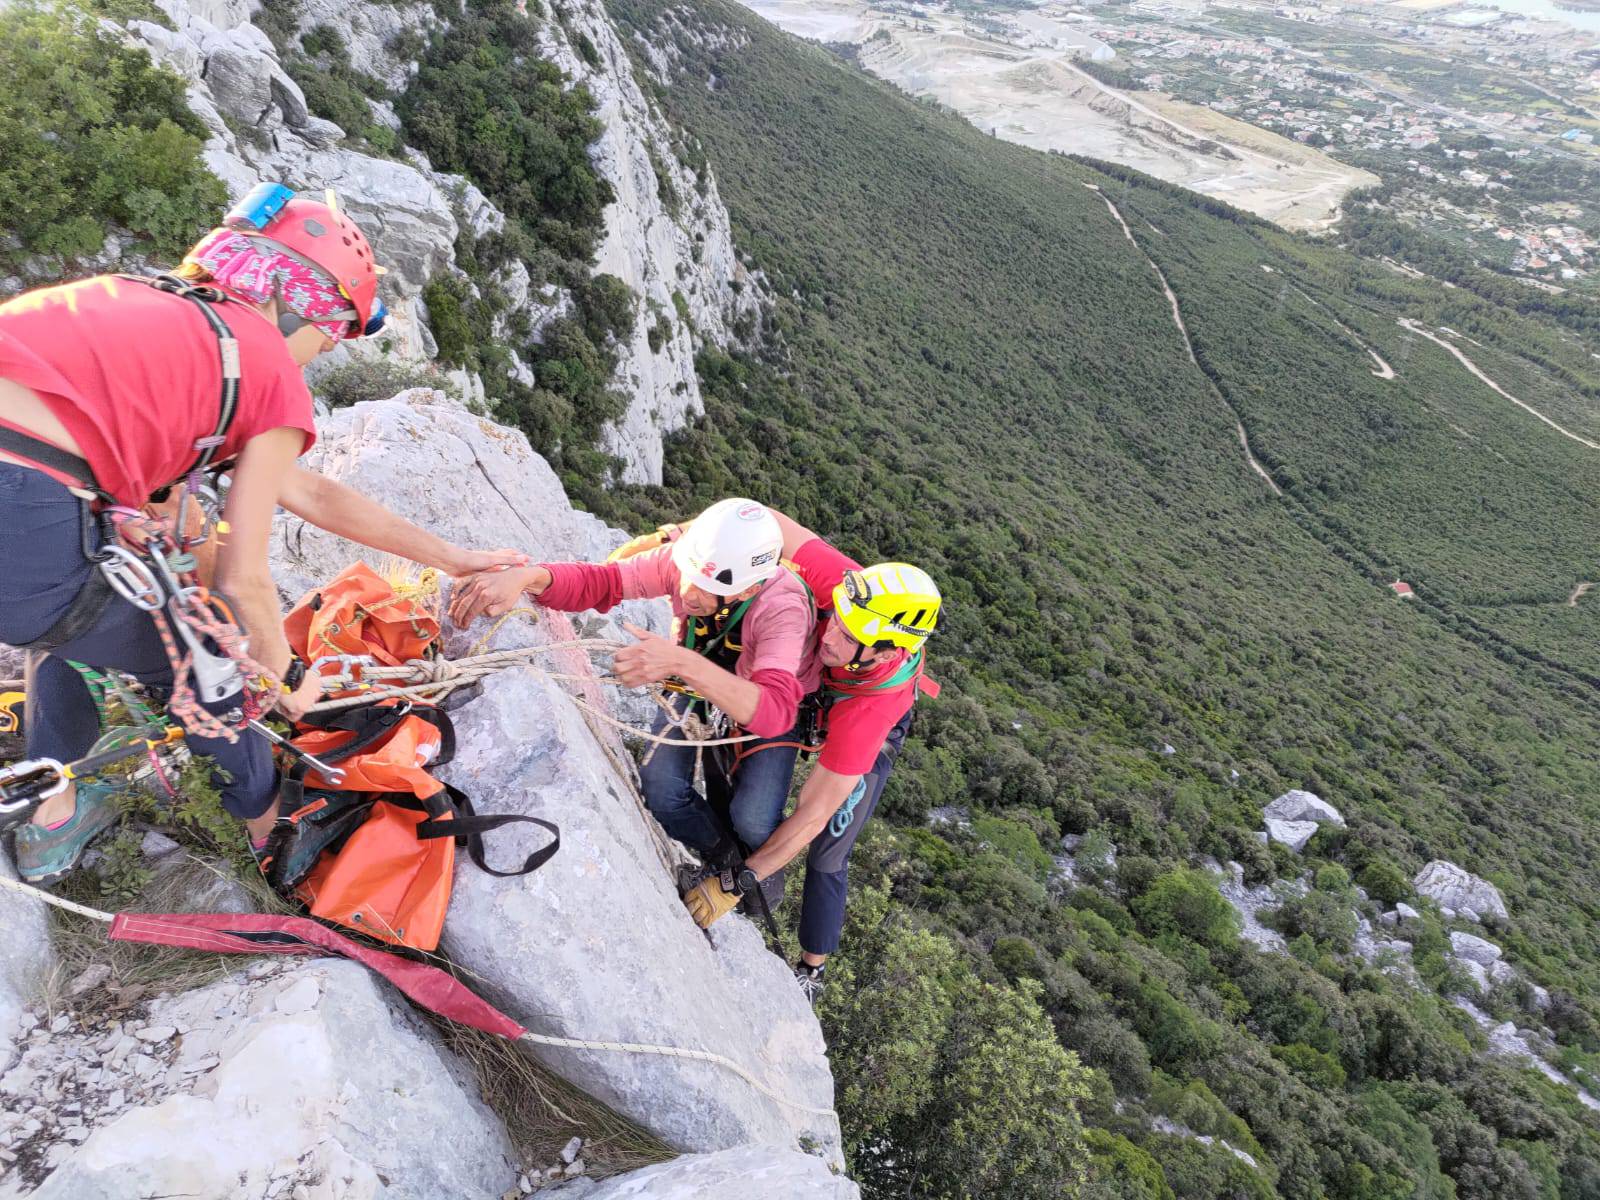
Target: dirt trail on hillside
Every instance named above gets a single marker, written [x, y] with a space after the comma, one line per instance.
[1577, 594]
[1383, 369]
[1183, 331]
[1411, 326]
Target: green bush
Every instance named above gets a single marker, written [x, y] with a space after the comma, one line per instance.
[1187, 902]
[93, 135]
[447, 298]
[1385, 882]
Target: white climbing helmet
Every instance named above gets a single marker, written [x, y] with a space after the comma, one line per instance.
[731, 546]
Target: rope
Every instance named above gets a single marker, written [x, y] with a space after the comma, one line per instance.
[676, 1052]
[542, 1039]
[435, 677]
[26, 889]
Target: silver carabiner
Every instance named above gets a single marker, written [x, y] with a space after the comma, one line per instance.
[216, 677]
[345, 677]
[16, 809]
[131, 577]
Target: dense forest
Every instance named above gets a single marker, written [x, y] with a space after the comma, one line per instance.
[970, 362]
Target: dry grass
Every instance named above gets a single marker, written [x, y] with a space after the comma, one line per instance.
[542, 1111]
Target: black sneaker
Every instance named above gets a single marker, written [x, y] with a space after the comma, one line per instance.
[810, 980]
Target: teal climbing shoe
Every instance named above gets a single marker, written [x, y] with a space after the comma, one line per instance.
[46, 855]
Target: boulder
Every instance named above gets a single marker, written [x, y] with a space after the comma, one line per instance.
[1405, 912]
[1470, 948]
[1298, 805]
[770, 1172]
[596, 945]
[1293, 834]
[308, 1076]
[1457, 890]
[26, 958]
[459, 475]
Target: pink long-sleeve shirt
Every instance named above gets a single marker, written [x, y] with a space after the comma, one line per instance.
[777, 631]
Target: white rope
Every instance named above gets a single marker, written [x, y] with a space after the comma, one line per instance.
[542, 1039]
[431, 678]
[676, 1052]
[27, 889]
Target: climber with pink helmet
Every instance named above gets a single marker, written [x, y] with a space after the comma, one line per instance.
[114, 390]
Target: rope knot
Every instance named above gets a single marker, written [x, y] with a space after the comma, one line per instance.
[433, 670]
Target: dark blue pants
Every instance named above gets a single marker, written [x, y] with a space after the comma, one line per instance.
[41, 546]
[828, 863]
[749, 802]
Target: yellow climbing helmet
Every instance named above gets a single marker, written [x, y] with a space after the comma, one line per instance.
[889, 604]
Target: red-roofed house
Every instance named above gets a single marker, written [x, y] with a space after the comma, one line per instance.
[1402, 589]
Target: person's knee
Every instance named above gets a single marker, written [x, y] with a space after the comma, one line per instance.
[754, 828]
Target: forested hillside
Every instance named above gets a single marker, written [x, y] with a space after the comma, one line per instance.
[973, 364]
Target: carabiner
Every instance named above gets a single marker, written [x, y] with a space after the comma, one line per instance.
[131, 577]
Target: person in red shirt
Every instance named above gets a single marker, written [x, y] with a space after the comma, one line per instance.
[115, 388]
[873, 623]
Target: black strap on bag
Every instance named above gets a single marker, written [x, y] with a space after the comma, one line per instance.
[468, 828]
[449, 812]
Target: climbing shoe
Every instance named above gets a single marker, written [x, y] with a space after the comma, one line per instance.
[47, 855]
[810, 980]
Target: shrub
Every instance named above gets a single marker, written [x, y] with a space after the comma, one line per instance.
[1385, 882]
[1187, 902]
[92, 134]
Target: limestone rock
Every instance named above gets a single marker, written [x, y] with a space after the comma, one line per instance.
[472, 482]
[1470, 948]
[354, 1090]
[1251, 902]
[26, 959]
[1478, 973]
[1298, 805]
[770, 1172]
[596, 944]
[667, 236]
[1455, 889]
[1293, 834]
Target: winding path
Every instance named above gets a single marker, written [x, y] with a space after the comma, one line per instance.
[1411, 326]
[1183, 331]
[1384, 370]
[1577, 593]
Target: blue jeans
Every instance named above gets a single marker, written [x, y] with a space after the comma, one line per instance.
[748, 803]
[828, 863]
[42, 549]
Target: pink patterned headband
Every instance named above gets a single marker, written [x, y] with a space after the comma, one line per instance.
[258, 270]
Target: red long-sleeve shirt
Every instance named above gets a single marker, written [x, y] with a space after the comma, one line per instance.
[777, 631]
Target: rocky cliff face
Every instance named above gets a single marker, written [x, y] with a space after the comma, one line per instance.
[666, 234]
[315, 1079]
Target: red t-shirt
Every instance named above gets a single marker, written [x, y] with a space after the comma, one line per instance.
[856, 725]
[135, 377]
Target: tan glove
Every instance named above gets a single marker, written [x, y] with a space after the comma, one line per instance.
[711, 897]
[644, 542]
